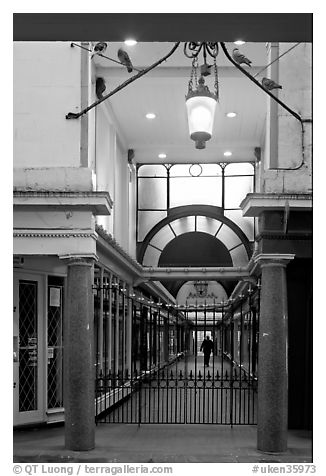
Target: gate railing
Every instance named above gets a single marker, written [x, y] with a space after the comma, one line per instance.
[171, 396]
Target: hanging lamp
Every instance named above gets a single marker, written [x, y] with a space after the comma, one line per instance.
[200, 101]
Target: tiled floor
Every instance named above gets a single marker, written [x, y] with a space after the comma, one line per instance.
[123, 443]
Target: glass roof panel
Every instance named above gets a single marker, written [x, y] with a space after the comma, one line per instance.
[228, 237]
[207, 225]
[243, 168]
[180, 170]
[184, 170]
[239, 256]
[151, 256]
[245, 223]
[163, 237]
[152, 193]
[236, 188]
[183, 225]
[195, 190]
[156, 170]
[146, 221]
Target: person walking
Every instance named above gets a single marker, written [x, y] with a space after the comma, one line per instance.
[206, 347]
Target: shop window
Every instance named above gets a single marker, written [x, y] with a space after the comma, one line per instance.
[28, 346]
[55, 342]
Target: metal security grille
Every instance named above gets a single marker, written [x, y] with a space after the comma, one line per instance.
[28, 346]
[150, 368]
[55, 345]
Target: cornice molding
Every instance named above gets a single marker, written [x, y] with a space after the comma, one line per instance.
[79, 259]
[99, 203]
[255, 203]
[272, 259]
[281, 236]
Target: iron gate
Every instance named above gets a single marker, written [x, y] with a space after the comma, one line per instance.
[149, 367]
[176, 397]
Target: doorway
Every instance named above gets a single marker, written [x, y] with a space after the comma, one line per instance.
[28, 348]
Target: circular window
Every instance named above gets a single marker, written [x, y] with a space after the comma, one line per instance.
[195, 170]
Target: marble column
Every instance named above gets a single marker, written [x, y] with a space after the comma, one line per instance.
[272, 355]
[79, 374]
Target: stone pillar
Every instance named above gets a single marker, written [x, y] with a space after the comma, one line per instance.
[79, 374]
[272, 355]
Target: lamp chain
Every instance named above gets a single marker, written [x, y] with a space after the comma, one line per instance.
[216, 83]
[193, 75]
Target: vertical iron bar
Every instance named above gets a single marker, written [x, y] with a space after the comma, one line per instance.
[176, 397]
[139, 399]
[249, 345]
[116, 333]
[185, 373]
[232, 364]
[150, 337]
[123, 347]
[204, 382]
[214, 351]
[159, 363]
[110, 303]
[105, 332]
[167, 396]
[171, 397]
[222, 391]
[195, 383]
[105, 319]
[149, 384]
[137, 203]
[223, 186]
[168, 187]
[97, 380]
[241, 351]
[176, 340]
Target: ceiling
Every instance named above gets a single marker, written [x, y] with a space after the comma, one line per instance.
[254, 27]
[162, 91]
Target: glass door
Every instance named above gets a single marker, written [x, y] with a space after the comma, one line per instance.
[28, 343]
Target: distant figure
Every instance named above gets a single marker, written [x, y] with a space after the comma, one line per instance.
[206, 347]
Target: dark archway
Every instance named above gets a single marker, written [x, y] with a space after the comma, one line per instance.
[195, 249]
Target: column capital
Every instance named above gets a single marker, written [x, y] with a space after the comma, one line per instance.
[79, 259]
[272, 259]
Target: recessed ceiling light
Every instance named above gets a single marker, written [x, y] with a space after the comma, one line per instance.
[162, 156]
[239, 42]
[231, 114]
[130, 42]
[227, 153]
[150, 115]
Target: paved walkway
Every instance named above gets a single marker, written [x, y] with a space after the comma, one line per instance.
[124, 443]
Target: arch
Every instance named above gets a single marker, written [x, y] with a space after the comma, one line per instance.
[180, 251]
[195, 218]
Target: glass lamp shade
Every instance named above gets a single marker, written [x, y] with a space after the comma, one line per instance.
[200, 111]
